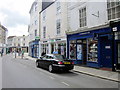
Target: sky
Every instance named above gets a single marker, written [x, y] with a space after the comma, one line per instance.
[14, 15]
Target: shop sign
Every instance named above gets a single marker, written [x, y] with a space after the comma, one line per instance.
[44, 41]
[52, 40]
[57, 39]
[83, 33]
[37, 38]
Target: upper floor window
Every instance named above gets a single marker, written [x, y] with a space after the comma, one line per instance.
[58, 7]
[44, 32]
[44, 15]
[23, 44]
[58, 26]
[113, 9]
[36, 7]
[35, 22]
[82, 16]
[36, 32]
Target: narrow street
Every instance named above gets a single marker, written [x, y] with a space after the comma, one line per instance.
[22, 73]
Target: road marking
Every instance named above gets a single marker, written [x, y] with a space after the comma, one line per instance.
[65, 83]
[51, 77]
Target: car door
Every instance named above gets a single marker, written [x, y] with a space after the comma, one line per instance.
[43, 62]
[49, 60]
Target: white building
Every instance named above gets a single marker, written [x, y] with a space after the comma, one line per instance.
[18, 43]
[90, 13]
[53, 27]
[33, 28]
[10, 41]
[3, 37]
[34, 20]
[90, 37]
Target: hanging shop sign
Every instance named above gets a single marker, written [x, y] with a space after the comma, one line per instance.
[114, 29]
[83, 33]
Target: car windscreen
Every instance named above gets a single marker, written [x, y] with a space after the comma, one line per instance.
[60, 57]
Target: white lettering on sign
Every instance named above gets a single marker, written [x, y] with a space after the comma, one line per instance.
[107, 47]
[114, 29]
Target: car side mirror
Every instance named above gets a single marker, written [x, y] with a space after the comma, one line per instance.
[41, 58]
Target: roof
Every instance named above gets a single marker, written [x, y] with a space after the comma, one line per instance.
[3, 27]
[46, 4]
[34, 3]
[11, 37]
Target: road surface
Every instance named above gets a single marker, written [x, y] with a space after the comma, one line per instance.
[22, 73]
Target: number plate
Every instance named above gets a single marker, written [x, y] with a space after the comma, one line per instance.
[66, 62]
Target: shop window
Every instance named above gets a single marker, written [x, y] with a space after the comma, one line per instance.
[79, 49]
[72, 52]
[92, 50]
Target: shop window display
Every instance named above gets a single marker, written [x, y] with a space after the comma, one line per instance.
[72, 54]
[79, 49]
[92, 50]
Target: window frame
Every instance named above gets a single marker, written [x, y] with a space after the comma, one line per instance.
[58, 26]
[113, 9]
[44, 32]
[82, 17]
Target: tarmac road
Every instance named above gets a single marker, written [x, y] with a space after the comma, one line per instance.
[22, 73]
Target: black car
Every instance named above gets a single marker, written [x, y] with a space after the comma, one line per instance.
[55, 62]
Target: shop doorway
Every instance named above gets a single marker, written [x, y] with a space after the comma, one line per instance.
[118, 55]
[105, 52]
[52, 47]
[82, 51]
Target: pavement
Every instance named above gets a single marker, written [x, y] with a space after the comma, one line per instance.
[109, 75]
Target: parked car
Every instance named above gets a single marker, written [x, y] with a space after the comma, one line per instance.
[55, 62]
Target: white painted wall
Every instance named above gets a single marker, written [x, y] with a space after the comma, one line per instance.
[94, 8]
[34, 16]
[50, 22]
[91, 8]
[20, 40]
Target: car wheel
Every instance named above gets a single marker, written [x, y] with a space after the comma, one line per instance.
[50, 68]
[37, 64]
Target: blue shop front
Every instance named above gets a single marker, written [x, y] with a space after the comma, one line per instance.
[34, 49]
[94, 47]
[115, 27]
